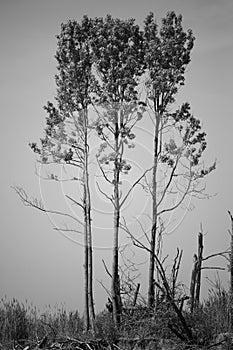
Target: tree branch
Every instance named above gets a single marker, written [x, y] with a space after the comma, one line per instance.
[103, 193]
[74, 201]
[39, 205]
[135, 183]
[106, 269]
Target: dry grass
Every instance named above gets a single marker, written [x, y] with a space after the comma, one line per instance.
[22, 323]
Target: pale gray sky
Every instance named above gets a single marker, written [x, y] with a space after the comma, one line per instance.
[38, 263]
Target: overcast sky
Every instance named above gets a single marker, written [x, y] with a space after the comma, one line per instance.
[36, 262]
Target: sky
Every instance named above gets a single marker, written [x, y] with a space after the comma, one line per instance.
[40, 264]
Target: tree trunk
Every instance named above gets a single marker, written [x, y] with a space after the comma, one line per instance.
[115, 287]
[151, 288]
[88, 233]
[86, 301]
[231, 277]
[193, 283]
[136, 295]
[199, 265]
[90, 256]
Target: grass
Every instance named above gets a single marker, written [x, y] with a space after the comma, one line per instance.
[21, 323]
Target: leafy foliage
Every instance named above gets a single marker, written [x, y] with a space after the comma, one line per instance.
[118, 49]
[167, 53]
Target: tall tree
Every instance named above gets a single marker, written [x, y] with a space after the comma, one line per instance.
[178, 139]
[67, 130]
[118, 55]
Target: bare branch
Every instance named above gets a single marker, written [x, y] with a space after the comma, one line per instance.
[213, 268]
[103, 172]
[217, 254]
[74, 201]
[169, 182]
[135, 183]
[106, 269]
[34, 203]
[179, 202]
[67, 230]
[106, 290]
[104, 194]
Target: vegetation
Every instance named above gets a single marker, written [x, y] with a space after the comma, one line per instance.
[22, 324]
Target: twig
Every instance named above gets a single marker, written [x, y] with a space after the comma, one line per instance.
[73, 200]
[106, 269]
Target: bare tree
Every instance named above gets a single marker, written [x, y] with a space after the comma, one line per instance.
[198, 260]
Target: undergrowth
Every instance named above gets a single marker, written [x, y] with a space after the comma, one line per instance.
[22, 322]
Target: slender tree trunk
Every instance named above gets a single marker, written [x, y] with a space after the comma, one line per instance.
[199, 265]
[193, 283]
[159, 255]
[136, 295]
[88, 231]
[86, 301]
[151, 289]
[115, 287]
[231, 277]
[90, 254]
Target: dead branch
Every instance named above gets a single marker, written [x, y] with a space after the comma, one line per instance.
[106, 269]
[103, 193]
[35, 203]
[134, 184]
[74, 201]
[213, 268]
[216, 254]
[167, 290]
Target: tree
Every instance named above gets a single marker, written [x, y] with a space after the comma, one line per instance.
[67, 130]
[118, 53]
[178, 139]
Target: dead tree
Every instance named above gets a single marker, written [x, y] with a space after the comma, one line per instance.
[184, 331]
[175, 271]
[199, 266]
[198, 259]
[195, 285]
